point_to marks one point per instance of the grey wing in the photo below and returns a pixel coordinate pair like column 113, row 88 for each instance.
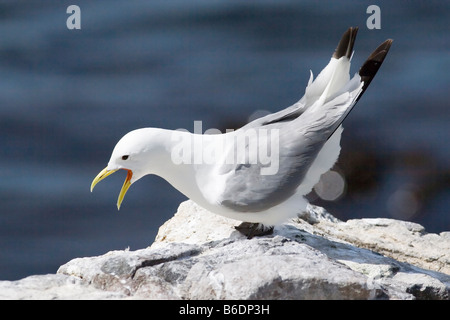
column 299, row 141
column 287, row 114
column 248, row 190
column 303, row 130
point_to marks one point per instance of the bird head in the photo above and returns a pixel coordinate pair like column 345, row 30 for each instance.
column 133, row 153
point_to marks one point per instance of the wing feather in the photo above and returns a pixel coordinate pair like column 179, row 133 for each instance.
column 302, row 129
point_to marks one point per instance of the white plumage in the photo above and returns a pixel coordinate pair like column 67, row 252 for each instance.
column 307, row 145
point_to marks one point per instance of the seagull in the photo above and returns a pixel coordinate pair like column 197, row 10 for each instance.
column 235, row 182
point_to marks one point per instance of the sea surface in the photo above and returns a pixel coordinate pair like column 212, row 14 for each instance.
column 67, row 96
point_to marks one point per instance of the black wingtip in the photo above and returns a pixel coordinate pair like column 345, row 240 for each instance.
column 369, row 69
column 345, row 46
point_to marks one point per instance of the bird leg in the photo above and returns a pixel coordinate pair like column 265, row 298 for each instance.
column 250, row 229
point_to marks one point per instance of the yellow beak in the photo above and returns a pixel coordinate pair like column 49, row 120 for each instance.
column 126, row 185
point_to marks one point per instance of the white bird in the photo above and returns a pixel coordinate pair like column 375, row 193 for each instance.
column 303, row 140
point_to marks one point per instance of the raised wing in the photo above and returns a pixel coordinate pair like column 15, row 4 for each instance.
column 302, row 129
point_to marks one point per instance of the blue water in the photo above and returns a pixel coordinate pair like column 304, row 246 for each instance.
column 67, row 96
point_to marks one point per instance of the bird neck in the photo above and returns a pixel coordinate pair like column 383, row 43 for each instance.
column 176, row 162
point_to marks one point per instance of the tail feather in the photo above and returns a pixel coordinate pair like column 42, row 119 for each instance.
column 335, row 75
column 345, row 46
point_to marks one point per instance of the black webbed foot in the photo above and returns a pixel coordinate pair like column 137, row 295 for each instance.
column 250, row 229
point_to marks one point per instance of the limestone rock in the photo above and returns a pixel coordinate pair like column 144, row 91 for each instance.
column 199, row 255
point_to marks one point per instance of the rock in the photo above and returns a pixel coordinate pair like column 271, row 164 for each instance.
column 53, row 286
column 401, row 240
column 199, row 255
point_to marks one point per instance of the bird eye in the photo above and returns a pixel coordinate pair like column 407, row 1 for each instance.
column 125, row 157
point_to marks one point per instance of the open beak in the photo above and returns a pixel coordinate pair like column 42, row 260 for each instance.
column 126, row 185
